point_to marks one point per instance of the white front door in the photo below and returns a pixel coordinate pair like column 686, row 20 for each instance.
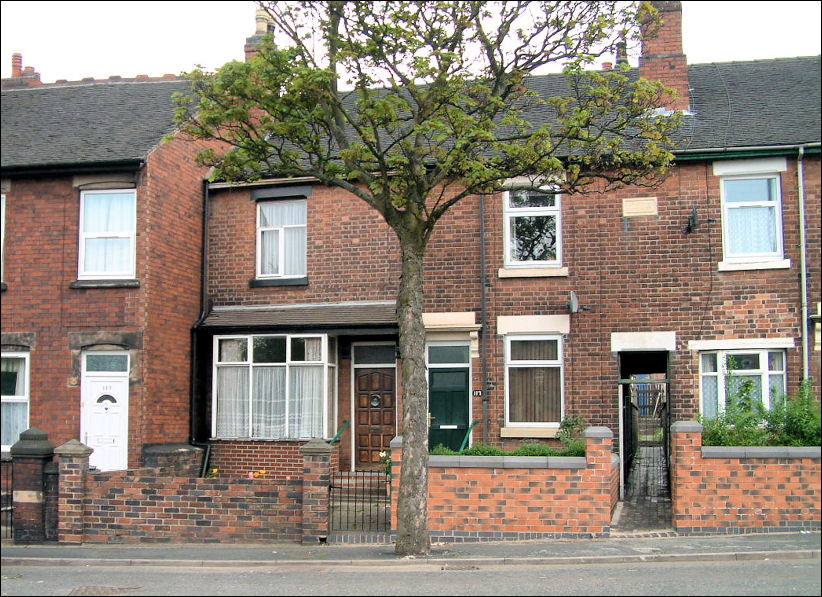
column 104, row 413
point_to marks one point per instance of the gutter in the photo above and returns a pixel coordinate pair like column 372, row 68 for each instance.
column 752, row 151
column 73, row 168
column 803, row 267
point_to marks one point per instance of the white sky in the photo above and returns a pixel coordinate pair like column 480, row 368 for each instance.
column 73, row 40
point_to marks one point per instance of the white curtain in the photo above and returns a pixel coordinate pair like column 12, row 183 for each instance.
column 14, row 414
column 752, row 230
column 305, row 404
column 232, row 402
column 111, row 216
column 270, row 252
column 268, row 402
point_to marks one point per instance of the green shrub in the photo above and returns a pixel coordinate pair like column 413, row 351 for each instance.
column 793, row 421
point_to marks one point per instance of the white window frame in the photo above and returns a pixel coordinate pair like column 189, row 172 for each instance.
column 740, row 259
column 721, row 374
column 555, row 363
column 288, row 365
column 281, row 249
column 26, row 396
column 510, row 213
column 131, row 235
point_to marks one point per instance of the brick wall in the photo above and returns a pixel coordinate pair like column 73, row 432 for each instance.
column 137, row 506
column 742, row 490
column 148, row 505
column 637, row 274
column 482, row 498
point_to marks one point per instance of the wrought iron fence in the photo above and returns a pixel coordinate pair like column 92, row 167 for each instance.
column 361, row 501
column 7, row 513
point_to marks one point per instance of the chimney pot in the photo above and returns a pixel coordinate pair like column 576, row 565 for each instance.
column 16, row 64
column 607, row 65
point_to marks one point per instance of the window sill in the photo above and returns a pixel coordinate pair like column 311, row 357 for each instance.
column 105, row 284
column 542, row 432
column 270, row 282
column 533, row 272
column 735, row 266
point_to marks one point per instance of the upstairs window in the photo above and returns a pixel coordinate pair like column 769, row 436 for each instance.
column 532, row 228
column 752, row 218
column 107, row 234
column 281, row 238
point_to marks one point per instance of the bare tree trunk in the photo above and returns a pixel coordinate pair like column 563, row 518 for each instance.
column 412, row 505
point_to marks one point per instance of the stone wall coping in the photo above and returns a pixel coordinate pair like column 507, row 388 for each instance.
column 508, row 461
column 33, row 442
column 316, row 447
column 396, row 442
column 598, row 432
column 74, row 448
column 686, row 427
column 762, row 452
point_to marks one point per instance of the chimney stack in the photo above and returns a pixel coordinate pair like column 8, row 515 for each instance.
column 263, row 26
column 662, row 58
column 20, row 76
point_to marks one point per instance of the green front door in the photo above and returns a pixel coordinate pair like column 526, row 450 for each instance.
column 447, row 407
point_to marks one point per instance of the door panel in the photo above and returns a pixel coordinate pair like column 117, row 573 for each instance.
column 375, row 414
column 448, row 407
column 105, row 421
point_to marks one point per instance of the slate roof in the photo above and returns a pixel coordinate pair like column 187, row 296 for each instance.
column 375, row 315
column 85, row 123
column 736, row 104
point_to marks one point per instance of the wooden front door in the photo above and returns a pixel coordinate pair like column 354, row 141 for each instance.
column 375, row 414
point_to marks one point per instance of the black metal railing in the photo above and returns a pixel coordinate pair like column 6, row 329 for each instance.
column 360, row 501
column 7, row 512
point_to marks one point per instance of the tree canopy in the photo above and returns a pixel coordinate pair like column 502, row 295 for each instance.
column 412, row 106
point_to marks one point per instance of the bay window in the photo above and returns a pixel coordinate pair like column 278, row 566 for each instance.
column 272, row 387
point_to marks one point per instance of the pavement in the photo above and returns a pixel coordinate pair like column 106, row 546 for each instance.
column 646, row 548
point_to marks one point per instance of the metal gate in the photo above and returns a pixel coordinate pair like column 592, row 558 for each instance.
column 360, row 501
column 6, row 484
column 646, row 424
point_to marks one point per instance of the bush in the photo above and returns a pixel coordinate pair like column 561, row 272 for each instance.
column 570, row 434
column 793, row 421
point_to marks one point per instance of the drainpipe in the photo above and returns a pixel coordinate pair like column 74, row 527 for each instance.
column 483, row 322
column 803, row 273
column 194, row 330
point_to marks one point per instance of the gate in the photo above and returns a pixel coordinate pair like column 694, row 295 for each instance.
column 6, row 484
column 360, row 501
column 647, row 453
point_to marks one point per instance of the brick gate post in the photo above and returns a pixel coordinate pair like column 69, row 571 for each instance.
column 29, row 456
column 71, row 503
column 316, row 486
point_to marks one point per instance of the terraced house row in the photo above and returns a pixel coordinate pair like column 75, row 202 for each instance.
column 145, row 307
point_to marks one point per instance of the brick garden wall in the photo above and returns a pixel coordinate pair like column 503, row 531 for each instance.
column 138, row 506
column 487, row 498
column 742, row 489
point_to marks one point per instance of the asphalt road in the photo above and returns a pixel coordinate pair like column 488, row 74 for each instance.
column 755, row 577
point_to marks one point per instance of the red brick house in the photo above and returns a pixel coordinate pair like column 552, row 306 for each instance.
column 102, row 228
column 718, row 265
